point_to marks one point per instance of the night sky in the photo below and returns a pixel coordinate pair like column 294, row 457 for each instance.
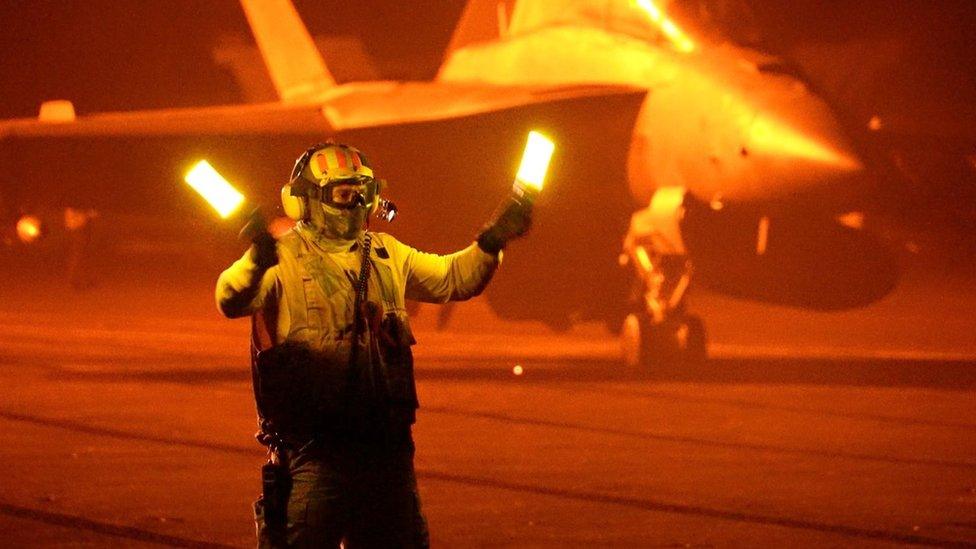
column 907, row 57
column 108, row 55
column 112, row 55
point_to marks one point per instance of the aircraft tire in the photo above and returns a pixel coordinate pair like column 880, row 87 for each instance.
column 631, row 344
column 692, row 339
column 646, row 346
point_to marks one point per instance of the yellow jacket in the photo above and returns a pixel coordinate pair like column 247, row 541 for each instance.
column 307, row 300
column 312, row 286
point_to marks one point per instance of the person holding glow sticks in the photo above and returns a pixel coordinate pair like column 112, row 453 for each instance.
column 331, row 350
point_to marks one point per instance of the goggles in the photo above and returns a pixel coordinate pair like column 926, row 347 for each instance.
column 345, row 193
column 340, row 193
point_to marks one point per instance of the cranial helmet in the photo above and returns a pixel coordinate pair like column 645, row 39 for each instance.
column 325, row 172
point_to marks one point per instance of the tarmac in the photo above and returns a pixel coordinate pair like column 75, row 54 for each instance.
column 128, row 421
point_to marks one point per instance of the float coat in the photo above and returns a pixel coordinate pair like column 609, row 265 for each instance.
column 302, row 326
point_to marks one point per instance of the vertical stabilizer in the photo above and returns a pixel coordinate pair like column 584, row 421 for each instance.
column 481, row 21
column 297, row 69
column 530, row 15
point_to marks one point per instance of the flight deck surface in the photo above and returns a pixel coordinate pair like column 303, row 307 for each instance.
column 128, row 419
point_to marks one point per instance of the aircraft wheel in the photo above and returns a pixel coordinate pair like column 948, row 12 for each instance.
column 630, row 340
column 646, row 345
column 691, row 339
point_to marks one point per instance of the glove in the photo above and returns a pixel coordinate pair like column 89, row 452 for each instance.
column 511, row 220
column 264, row 247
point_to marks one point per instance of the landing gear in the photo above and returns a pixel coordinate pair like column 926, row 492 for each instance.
column 659, row 331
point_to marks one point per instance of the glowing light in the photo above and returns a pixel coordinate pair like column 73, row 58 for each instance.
column 643, row 259
column 214, row 188
column 75, row 219
column 667, row 26
column 58, row 110
column 716, row 203
column 535, row 161
column 762, row 235
column 854, row 220
column 28, row 229
column 517, row 370
column 771, row 136
column 875, row 123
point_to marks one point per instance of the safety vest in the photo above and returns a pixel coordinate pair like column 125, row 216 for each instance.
column 305, row 386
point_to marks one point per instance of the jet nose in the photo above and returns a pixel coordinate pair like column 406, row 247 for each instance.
column 801, row 150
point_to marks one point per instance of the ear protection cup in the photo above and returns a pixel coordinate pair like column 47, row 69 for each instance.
column 295, row 206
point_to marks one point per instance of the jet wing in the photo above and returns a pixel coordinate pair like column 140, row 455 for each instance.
column 449, row 153
column 264, row 118
column 391, row 103
column 347, row 107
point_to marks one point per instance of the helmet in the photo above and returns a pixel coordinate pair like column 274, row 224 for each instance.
column 326, row 171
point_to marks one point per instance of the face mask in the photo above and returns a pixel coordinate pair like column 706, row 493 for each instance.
column 338, row 224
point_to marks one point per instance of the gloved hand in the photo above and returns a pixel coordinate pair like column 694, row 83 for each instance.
column 511, row 220
column 264, row 249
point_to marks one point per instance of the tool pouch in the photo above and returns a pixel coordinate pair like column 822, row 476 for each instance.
column 395, row 342
column 273, row 506
column 285, row 390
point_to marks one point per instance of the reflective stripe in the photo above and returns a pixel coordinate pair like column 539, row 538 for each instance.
column 338, row 162
column 324, row 163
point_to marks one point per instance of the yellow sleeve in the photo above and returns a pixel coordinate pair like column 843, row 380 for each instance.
column 244, row 287
column 440, row 278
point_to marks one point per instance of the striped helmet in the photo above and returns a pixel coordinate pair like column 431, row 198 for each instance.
column 325, row 162
column 322, row 168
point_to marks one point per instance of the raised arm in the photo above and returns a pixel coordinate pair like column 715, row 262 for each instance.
column 440, row 278
column 462, row 275
column 245, row 286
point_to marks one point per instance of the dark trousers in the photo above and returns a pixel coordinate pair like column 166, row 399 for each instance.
column 360, row 493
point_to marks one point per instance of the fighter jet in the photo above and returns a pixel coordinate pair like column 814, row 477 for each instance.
column 679, row 160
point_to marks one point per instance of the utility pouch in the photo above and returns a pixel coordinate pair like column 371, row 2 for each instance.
column 285, row 390
column 275, row 489
column 397, row 356
column 299, row 391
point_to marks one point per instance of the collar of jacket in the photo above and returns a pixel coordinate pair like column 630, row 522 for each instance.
column 320, row 240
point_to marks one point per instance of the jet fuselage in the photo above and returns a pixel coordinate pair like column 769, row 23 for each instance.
column 711, row 122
